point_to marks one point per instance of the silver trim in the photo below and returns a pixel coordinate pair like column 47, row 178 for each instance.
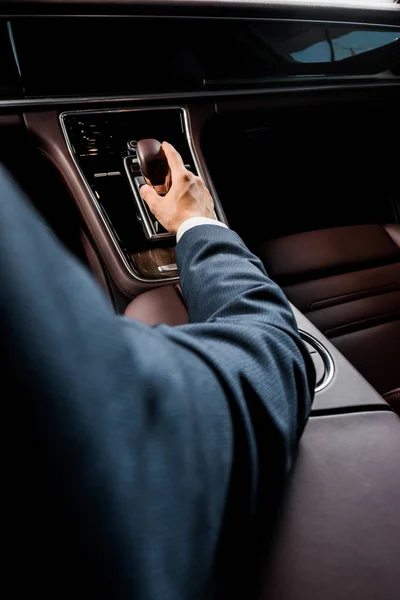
column 304, row 19
column 324, row 354
column 63, row 100
column 187, row 132
column 145, row 217
column 168, row 268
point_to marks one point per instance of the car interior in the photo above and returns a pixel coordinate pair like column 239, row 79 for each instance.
column 290, row 113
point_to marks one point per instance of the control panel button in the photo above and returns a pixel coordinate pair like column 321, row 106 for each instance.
column 131, row 146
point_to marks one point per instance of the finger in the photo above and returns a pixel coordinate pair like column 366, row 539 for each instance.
column 173, row 157
column 149, row 195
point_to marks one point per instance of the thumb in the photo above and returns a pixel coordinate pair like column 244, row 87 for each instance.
column 149, row 195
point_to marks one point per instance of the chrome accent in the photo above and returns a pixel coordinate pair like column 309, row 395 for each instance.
column 324, row 354
column 100, row 175
column 230, row 93
column 150, row 228
column 168, row 268
column 187, row 132
column 377, row 6
column 114, row 173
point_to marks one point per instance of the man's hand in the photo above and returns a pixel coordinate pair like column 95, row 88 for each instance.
column 188, row 197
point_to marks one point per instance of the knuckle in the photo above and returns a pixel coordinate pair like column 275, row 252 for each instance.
column 186, row 177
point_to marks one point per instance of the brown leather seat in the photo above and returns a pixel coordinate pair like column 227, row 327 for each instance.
column 339, row 533
column 161, row 305
column 346, row 280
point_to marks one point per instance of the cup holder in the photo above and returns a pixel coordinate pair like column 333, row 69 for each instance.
column 323, row 362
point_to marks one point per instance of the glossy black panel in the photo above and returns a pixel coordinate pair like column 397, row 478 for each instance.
column 99, row 141
column 105, row 56
column 105, row 134
column 312, row 164
column 127, row 56
column 255, row 51
column 10, row 84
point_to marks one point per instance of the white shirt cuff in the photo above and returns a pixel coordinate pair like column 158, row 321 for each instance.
column 194, row 222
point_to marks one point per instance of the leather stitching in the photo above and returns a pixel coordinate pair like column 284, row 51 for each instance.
column 391, row 395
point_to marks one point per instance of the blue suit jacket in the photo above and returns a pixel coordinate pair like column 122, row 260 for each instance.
column 145, row 460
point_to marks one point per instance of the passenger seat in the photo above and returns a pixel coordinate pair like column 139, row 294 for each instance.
column 346, row 280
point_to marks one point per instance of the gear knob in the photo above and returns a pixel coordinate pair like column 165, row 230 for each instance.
column 154, row 165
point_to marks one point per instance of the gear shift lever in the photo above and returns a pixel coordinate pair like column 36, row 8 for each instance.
column 154, row 165
column 155, row 171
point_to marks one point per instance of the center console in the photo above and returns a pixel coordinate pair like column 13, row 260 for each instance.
column 103, row 146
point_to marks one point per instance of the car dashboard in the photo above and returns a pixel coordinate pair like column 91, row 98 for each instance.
column 289, row 112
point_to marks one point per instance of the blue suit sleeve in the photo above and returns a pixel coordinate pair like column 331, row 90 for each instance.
column 243, row 327
column 135, row 434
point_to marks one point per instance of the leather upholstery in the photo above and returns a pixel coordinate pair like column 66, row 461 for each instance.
column 339, row 537
column 94, row 264
column 394, row 232
column 329, row 251
column 346, row 280
column 393, row 398
column 375, row 352
column 161, row 305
